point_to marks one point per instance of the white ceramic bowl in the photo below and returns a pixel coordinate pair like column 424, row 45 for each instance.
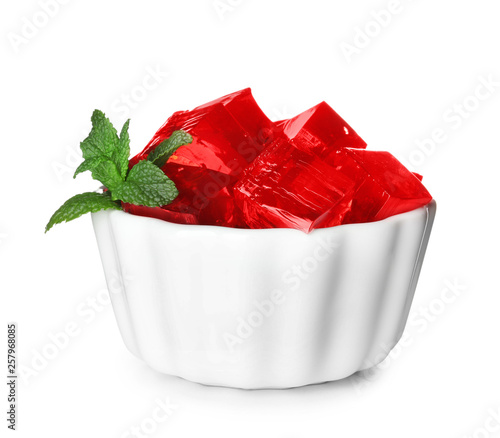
column 272, row 308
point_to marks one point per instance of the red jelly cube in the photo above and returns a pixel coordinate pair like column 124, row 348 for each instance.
column 242, row 106
column 180, row 211
column 384, row 187
column 228, row 133
column 232, row 125
column 321, row 130
column 286, row 187
column 214, row 132
column 223, row 211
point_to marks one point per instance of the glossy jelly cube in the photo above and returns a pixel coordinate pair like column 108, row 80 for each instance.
column 228, row 133
column 384, row 187
column 223, row 211
column 321, row 130
column 243, row 107
column 286, row 187
column 233, row 125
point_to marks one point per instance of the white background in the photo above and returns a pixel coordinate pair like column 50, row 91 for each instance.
column 405, row 83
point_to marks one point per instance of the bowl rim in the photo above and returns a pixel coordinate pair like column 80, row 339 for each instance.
column 430, row 208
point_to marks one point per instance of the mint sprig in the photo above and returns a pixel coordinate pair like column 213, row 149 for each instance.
column 106, row 157
column 78, row 205
column 146, row 184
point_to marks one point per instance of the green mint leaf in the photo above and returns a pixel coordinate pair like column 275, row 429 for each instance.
column 105, row 154
column 78, row 205
column 89, row 164
column 102, row 140
column 103, row 170
column 122, row 151
column 147, row 185
column 106, row 172
column 167, row 147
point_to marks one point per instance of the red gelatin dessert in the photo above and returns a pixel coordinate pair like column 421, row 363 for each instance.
column 321, row 130
column 228, row 134
column 244, row 171
column 230, row 129
column 223, row 211
column 286, row 187
column 384, row 186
